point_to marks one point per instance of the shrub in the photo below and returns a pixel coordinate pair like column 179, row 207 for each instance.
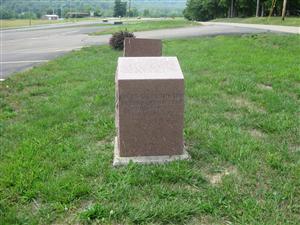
column 117, row 39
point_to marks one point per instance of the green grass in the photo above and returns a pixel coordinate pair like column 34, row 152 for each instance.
column 148, row 25
column 14, row 23
column 241, row 129
column 289, row 21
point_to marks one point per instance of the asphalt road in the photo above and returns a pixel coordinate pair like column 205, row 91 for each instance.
column 23, row 48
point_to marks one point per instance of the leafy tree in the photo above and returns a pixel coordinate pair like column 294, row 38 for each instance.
column 204, row 9
column 120, row 8
column 210, row 9
column 28, row 15
column 6, row 14
column 146, row 13
column 245, row 8
column 196, row 9
column 133, row 12
column 98, row 13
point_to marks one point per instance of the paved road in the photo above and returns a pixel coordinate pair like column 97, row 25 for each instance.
column 276, row 28
column 22, row 48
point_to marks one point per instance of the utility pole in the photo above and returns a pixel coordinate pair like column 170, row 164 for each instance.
column 283, row 9
column 129, row 8
column 30, row 15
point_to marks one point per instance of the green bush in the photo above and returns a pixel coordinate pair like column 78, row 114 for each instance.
column 117, row 39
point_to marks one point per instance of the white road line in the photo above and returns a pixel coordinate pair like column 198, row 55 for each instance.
column 16, row 62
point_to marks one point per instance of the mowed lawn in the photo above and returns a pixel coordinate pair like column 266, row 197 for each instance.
column 241, row 130
column 289, row 21
column 149, row 25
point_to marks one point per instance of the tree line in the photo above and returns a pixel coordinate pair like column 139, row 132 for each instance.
column 25, row 9
column 124, row 8
column 212, row 9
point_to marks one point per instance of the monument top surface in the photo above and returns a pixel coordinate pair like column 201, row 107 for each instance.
column 148, row 68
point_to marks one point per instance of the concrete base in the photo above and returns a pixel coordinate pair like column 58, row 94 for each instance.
column 121, row 161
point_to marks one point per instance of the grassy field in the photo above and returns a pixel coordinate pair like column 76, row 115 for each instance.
column 131, row 23
column 24, row 22
column 149, row 25
column 13, row 23
column 289, row 21
column 241, row 129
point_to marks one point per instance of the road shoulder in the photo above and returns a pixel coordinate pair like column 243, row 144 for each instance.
column 277, row 28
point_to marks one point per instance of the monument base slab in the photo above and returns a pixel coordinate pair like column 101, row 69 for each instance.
column 122, row 161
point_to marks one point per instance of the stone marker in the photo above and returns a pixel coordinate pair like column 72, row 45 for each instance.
column 134, row 47
column 149, row 110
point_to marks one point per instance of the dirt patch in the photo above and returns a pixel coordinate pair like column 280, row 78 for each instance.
column 232, row 115
column 36, row 205
column 106, row 141
column 195, row 101
column 265, row 86
column 257, row 133
column 72, row 214
column 297, row 85
column 216, row 178
column 245, row 103
column 294, row 148
column 36, row 84
column 103, row 142
column 188, row 187
column 205, row 220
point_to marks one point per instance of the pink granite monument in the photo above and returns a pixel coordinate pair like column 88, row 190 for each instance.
column 140, row 47
column 149, row 110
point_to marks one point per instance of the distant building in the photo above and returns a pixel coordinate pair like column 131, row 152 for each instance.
column 50, row 17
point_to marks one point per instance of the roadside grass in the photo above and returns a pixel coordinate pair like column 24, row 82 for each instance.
column 289, row 21
column 241, row 129
column 14, row 23
column 148, row 25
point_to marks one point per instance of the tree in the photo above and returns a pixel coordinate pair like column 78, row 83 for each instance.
column 133, row 12
column 232, row 8
column 283, row 9
column 210, row 9
column 120, row 8
column 146, row 13
column 6, row 14
column 204, row 9
column 98, row 12
column 257, row 8
column 195, row 10
column 272, row 7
